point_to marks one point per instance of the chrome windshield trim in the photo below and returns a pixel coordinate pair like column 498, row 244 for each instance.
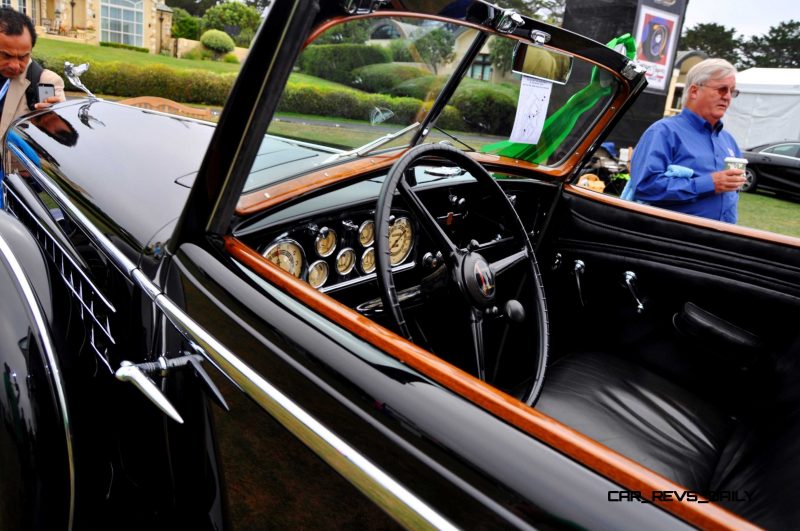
column 43, row 333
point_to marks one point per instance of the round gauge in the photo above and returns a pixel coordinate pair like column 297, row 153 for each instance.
column 345, row 261
column 366, row 233
column 286, row 254
column 317, row 273
column 325, row 242
column 368, row 260
column 400, row 238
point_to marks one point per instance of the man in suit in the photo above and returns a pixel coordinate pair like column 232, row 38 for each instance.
column 17, row 39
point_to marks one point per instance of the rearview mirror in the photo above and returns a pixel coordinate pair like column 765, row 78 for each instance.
column 544, row 64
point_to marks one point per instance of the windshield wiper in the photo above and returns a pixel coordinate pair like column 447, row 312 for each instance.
column 369, row 146
column 454, row 138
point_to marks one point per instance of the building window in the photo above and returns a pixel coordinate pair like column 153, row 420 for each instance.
column 481, row 68
column 6, row 3
column 121, row 21
column 22, row 7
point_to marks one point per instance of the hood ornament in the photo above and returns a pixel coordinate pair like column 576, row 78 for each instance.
column 74, row 73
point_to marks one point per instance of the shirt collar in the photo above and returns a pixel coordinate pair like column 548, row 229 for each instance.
column 699, row 122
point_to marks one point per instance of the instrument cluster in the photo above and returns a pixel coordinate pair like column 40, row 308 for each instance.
column 339, row 251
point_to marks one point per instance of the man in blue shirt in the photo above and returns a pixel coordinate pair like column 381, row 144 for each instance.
column 679, row 161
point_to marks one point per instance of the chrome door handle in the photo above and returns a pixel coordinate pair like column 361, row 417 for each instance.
column 630, row 281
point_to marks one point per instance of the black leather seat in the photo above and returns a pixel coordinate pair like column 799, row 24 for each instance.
column 669, row 430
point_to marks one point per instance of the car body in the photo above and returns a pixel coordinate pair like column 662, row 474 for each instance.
column 774, row 167
column 412, row 318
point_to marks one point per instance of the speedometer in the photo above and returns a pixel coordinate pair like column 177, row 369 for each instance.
column 401, row 236
column 286, row 254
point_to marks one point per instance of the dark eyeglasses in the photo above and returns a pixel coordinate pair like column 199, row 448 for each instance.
column 722, row 90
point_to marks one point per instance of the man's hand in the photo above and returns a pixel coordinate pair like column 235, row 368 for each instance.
column 47, row 103
column 727, row 180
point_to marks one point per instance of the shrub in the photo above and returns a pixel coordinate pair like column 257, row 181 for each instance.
column 336, row 62
column 200, row 53
column 125, row 46
column 217, row 40
column 422, row 88
column 384, row 76
column 230, row 58
column 400, row 51
column 486, row 109
column 128, row 80
column 245, row 37
column 184, row 25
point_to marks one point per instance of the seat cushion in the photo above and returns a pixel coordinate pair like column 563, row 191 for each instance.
column 639, row 414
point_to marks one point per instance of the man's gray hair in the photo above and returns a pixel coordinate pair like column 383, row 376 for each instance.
column 704, row 71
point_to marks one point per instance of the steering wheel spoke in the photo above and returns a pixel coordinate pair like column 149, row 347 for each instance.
column 504, row 264
column 476, row 327
column 427, row 220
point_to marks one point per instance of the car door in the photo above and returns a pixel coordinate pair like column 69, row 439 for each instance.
column 327, row 426
column 628, row 278
column 779, row 167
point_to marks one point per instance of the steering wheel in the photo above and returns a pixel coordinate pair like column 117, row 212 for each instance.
column 470, row 273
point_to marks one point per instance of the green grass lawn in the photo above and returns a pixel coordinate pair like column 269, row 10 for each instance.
column 768, row 212
column 102, row 54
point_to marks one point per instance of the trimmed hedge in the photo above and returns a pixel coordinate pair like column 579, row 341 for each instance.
column 336, row 62
column 124, row 46
column 307, row 99
column 487, row 110
column 422, row 88
column 128, row 80
column 217, row 40
column 383, row 77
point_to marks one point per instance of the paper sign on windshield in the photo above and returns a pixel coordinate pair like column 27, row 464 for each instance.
column 534, row 97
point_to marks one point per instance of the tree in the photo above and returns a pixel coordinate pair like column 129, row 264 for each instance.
column 550, row 11
column 353, row 32
column 184, row 25
column 235, row 19
column 193, row 7
column 436, row 48
column 779, row 48
column 501, row 53
column 715, row 40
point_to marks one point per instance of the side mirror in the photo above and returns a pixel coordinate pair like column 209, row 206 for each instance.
column 541, row 63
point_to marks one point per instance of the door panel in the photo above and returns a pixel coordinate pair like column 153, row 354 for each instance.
column 740, row 279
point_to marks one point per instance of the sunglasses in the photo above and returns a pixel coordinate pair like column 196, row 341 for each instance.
column 722, row 90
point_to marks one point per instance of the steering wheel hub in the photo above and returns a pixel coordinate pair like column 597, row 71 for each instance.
column 478, row 279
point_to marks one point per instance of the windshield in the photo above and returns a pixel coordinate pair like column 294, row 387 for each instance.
column 366, row 86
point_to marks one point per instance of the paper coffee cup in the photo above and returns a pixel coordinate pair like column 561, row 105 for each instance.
column 733, row 163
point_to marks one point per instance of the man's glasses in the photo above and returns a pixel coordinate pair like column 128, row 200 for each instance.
column 722, row 90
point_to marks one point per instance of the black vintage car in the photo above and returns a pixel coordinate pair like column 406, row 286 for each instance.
column 366, row 299
column 774, row 167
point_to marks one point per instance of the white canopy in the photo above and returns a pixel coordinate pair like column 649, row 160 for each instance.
column 768, row 108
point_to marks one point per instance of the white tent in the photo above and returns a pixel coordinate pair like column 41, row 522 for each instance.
column 768, row 108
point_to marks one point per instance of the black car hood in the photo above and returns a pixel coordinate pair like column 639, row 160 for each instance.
column 121, row 165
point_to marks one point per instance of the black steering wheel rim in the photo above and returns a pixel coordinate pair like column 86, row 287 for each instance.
column 385, row 278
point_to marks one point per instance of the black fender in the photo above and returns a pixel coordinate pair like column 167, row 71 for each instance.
column 37, row 483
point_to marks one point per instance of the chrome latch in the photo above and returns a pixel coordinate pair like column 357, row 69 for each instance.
column 137, row 374
column 630, row 281
column 509, row 21
column 632, row 69
column 578, row 269
column 539, row 37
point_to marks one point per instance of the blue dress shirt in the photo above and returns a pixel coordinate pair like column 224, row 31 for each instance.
column 689, row 141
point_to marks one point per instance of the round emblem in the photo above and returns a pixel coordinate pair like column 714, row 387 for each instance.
column 485, row 278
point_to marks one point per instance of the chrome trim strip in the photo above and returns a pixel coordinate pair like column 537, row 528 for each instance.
column 42, row 331
column 373, row 482
column 364, row 278
column 392, row 497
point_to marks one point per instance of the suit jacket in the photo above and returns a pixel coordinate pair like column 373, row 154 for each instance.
column 15, row 105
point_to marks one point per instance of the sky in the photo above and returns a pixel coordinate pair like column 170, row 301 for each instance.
column 748, row 17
